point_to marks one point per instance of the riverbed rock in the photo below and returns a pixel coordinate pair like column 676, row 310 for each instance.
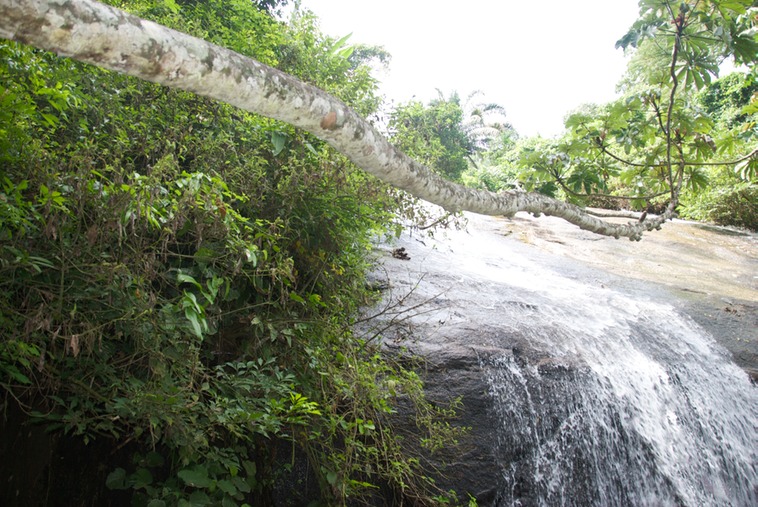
column 708, row 274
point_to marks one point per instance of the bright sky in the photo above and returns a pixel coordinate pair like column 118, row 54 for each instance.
column 539, row 60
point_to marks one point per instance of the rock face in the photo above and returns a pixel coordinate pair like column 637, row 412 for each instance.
column 556, row 395
column 474, row 467
column 710, row 273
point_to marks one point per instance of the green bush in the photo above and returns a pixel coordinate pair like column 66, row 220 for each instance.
column 179, row 276
column 730, row 205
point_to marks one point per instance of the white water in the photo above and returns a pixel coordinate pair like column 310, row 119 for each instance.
column 651, row 411
column 636, row 405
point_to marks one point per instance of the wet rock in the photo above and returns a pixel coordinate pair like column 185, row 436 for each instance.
column 467, row 323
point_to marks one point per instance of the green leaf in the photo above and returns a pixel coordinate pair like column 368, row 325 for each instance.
column 251, row 469
column 141, row 478
column 205, row 255
column 279, row 140
column 251, row 257
column 227, row 487
column 116, row 479
column 747, row 169
column 16, row 374
column 185, row 278
column 196, row 477
column 346, row 53
column 311, row 148
column 172, row 6
column 738, row 6
column 745, row 49
column 50, row 119
column 241, row 484
column 213, row 285
column 337, row 46
column 199, row 498
column 195, row 323
column 751, row 108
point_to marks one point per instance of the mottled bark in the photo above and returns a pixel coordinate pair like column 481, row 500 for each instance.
column 110, row 38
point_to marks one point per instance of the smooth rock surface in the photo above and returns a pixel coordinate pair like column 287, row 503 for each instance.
column 463, row 300
column 709, row 272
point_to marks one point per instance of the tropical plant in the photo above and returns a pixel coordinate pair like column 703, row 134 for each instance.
column 177, row 279
column 484, row 123
column 658, row 140
column 434, row 135
column 447, row 135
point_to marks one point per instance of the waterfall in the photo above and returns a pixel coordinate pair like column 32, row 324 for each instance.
column 637, row 406
column 605, row 394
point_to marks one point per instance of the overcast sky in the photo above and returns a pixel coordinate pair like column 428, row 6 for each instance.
column 537, row 59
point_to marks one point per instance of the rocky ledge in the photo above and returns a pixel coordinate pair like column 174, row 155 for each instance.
column 455, row 318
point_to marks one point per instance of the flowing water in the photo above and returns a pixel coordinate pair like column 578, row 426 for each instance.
column 621, row 401
column 647, row 411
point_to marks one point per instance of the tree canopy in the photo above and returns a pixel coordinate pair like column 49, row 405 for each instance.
column 677, row 140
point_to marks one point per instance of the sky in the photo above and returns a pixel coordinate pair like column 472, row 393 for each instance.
column 539, row 60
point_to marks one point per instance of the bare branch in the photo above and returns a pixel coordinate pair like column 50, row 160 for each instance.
column 605, row 150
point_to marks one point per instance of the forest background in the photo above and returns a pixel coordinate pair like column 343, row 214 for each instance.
column 179, row 278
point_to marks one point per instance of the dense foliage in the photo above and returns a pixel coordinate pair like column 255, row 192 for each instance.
column 731, row 194
column 676, row 136
column 432, row 134
column 446, row 134
column 177, row 277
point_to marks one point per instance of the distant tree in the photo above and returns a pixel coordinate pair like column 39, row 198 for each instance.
column 447, row 134
column 434, row 135
column 273, row 7
column 731, row 194
column 727, row 100
column 485, row 122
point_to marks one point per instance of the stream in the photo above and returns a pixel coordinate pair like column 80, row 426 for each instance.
column 603, row 391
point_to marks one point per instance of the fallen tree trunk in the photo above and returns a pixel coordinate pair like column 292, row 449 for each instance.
column 113, row 39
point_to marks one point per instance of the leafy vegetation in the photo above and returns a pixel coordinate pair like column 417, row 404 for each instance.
column 731, row 194
column 446, row 134
column 677, row 137
column 433, row 135
column 177, row 277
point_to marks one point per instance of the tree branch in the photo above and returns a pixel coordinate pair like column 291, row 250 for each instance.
column 605, row 150
column 679, row 23
column 615, row 157
column 610, row 196
column 658, row 114
column 726, row 162
column 107, row 37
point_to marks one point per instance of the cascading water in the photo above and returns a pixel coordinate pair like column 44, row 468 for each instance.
column 620, row 399
column 637, row 407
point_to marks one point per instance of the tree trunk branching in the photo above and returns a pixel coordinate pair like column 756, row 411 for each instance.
column 107, row 37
